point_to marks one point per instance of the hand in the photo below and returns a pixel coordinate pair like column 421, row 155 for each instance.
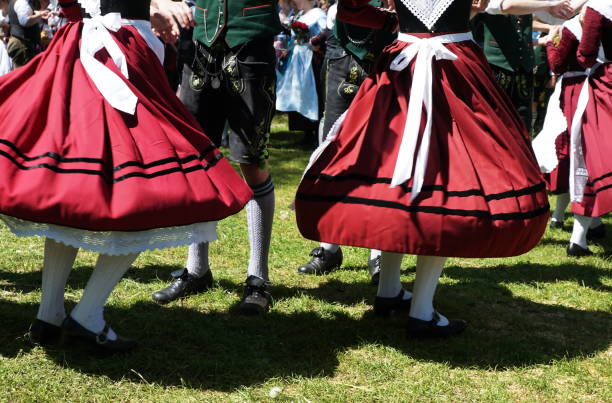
column 561, row 9
column 167, row 17
column 478, row 6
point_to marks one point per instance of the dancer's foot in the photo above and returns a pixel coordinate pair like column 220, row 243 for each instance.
column 374, row 266
column 554, row 224
column 45, row 334
column 400, row 303
column 256, row 298
column 184, row 284
column 322, row 261
column 576, row 250
column 106, row 341
column 438, row 326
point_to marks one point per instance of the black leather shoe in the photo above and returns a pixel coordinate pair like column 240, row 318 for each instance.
column 183, row 285
column 576, row 250
column 423, row 329
column 554, row 224
column 45, row 334
column 75, row 332
column 374, row 266
column 598, row 232
column 384, row 306
column 322, row 261
column 256, row 298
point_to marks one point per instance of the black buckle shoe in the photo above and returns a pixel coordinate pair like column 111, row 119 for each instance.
column 424, row 329
column 256, row 298
column 45, row 334
column 75, row 332
column 383, row 306
column 576, row 250
column 598, row 232
column 322, row 261
column 374, row 266
column 184, row 284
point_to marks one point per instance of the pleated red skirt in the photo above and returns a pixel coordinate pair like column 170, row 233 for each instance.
column 483, row 194
column 597, row 145
column 68, row 158
column 557, row 181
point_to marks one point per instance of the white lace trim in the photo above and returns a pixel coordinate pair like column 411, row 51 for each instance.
column 92, row 7
column 116, row 242
column 427, row 11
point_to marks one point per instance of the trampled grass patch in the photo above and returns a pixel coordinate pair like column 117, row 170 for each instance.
column 540, row 325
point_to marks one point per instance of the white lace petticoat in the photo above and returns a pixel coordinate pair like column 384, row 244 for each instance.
column 116, row 242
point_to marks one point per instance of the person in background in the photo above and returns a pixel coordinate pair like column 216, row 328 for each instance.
column 298, row 86
column 508, row 46
column 6, row 64
column 25, row 17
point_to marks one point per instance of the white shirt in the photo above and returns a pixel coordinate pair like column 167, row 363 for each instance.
column 331, row 16
column 494, row 7
column 23, row 11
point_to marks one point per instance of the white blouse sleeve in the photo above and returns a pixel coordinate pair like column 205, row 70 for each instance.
column 23, row 11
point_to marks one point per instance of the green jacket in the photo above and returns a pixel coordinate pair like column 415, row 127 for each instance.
column 363, row 43
column 236, row 21
column 508, row 42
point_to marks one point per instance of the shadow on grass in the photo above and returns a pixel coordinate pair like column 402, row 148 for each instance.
column 222, row 351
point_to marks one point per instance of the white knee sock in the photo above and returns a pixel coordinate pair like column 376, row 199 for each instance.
column 562, row 201
column 389, row 283
column 260, row 214
column 330, row 247
column 596, row 222
column 58, row 262
column 581, row 226
column 374, row 254
column 197, row 259
column 89, row 312
column 428, row 271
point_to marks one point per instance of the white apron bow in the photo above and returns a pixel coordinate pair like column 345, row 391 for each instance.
column 425, row 49
column 578, row 171
column 95, row 36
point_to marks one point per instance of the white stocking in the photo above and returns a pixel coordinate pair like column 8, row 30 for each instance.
column 428, row 271
column 389, row 284
column 562, row 201
column 579, row 232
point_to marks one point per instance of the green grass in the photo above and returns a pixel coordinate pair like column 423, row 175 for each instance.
column 540, row 325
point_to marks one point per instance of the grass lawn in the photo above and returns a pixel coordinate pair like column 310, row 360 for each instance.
column 540, row 325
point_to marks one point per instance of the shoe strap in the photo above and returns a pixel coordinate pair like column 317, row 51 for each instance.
column 102, row 337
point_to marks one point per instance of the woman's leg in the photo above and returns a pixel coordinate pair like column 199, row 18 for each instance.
column 109, row 270
column 391, row 295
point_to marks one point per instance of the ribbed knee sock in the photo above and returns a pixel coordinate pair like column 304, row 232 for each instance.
column 260, row 214
column 89, row 312
column 197, row 259
column 428, row 271
column 57, row 265
column 562, row 202
column 389, row 283
column 581, row 227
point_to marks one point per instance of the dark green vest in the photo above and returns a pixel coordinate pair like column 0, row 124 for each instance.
column 363, row 43
column 238, row 21
column 507, row 41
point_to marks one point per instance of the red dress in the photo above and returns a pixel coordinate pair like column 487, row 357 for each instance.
column 597, row 119
column 562, row 60
column 483, row 194
column 68, row 158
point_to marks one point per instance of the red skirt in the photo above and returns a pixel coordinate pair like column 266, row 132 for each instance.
column 557, row 181
column 68, row 158
column 597, row 145
column 483, row 194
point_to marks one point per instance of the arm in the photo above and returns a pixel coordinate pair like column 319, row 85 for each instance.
column 592, row 29
column 558, row 54
column 71, row 10
column 359, row 12
column 557, row 8
column 540, row 26
column 27, row 16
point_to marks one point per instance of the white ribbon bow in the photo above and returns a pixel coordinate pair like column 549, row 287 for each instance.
column 95, row 36
column 425, row 49
column 578, row 171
